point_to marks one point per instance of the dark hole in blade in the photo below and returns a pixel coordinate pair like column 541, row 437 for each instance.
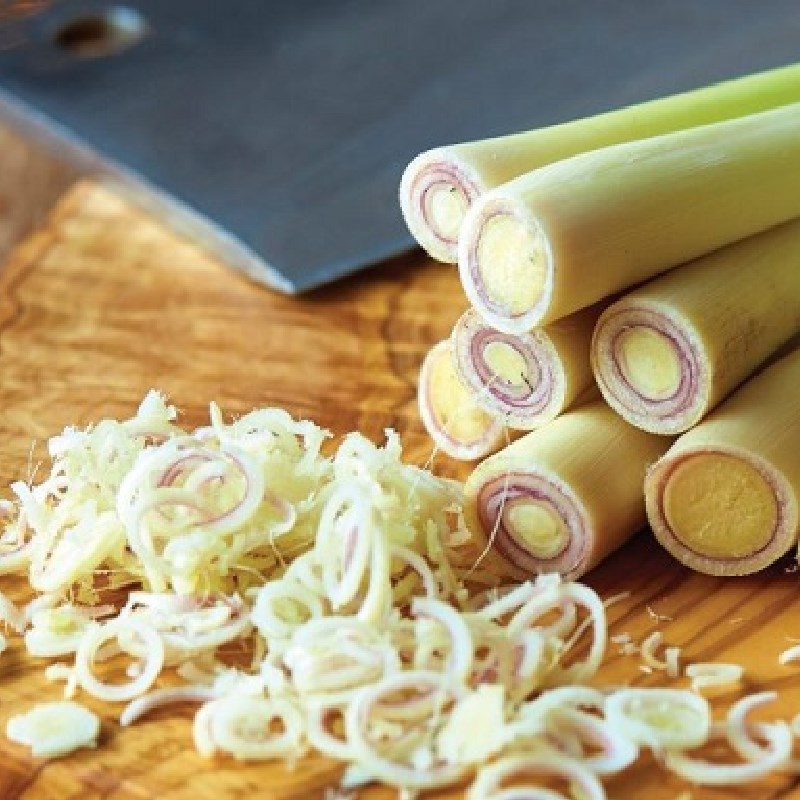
column 104, row 33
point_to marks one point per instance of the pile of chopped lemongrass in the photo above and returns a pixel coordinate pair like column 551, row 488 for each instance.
column 333, row 603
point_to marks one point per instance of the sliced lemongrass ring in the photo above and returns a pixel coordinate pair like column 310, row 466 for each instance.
column 436, row 191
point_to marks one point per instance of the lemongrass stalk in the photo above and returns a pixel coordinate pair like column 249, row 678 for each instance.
column 457, row 425
column 668, row 352
column 724, row 499
column 439, row 185
column 528, row 379
column 561, row 238
column 562, row 498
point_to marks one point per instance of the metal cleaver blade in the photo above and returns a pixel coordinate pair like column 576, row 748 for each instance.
column 276, row 130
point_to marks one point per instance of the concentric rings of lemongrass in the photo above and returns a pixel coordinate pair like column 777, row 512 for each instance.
column 334, row 673
column 518, row 378
column 373, row 702
column 451, row 413
column 436, row 190
column 774, row 756
column 511, row 598
column 191, row 630
column 661, row 719
column 504, row 504
column 95, row 637
column 767, row 550
column 512, row 293
column 351, row 680
column 649, row 367
column 532, row 718
column 490, row 780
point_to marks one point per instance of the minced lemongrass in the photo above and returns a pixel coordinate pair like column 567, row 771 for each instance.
column 344, row 578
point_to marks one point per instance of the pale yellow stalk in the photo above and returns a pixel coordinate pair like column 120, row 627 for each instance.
column 439, row 185
column 668, row 352
column 565, row 236
column 562, row 498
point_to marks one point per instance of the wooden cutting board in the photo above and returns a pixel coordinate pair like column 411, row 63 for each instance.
column 102, row 303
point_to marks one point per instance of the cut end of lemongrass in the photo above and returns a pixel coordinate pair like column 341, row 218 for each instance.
column 457, row 425
column 534, row 522
column 518, row 377
column 719, row 510
column 648, row 367
column 505, row 264
column 436, row 191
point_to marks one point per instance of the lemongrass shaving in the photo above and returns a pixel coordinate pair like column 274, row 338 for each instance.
column 713, row 674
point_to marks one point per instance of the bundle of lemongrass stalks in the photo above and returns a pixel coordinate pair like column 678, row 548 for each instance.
column 691, row 199
column 334, row 604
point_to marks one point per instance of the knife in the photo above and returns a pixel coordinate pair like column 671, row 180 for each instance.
column 276, row 132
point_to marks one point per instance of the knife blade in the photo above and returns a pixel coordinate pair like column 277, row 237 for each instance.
column 276, row 132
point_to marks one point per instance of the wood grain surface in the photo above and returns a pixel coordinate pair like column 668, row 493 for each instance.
column 103, row 303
